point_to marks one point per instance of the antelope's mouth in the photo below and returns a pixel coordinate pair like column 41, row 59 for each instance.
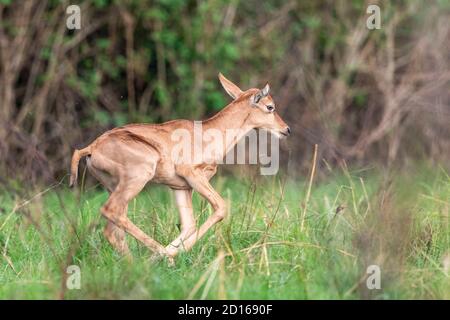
column 279, row 134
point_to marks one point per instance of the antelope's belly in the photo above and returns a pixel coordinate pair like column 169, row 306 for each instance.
column 166, row 174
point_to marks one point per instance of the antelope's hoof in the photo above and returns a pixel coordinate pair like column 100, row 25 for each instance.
column 171, row 250
column 154, row 258
column 171, row 261
column 157, row 257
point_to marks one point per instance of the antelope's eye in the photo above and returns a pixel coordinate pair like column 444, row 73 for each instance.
column 270, row 108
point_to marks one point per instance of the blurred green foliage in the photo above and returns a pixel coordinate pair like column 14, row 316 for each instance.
column 178, row 47
column 158, row 60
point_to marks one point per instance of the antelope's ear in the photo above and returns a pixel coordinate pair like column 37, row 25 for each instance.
column 232, row 89
column 264, row 92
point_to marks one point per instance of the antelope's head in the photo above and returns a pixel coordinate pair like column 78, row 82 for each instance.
column 260, row 107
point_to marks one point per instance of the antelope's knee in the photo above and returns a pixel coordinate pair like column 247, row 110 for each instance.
column 112, row 213
column 104, row 210
column 108, row 232
column 107, row 211
column 221, row 211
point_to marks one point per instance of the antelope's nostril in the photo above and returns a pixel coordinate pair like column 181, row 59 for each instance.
column 288, row 130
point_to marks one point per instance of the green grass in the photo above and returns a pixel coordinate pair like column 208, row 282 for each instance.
column 399, row 222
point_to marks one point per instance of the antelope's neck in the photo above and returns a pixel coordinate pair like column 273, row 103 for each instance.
column 232, row 124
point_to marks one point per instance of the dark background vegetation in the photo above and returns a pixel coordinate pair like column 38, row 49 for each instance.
column 366, row 97
column 376, row 102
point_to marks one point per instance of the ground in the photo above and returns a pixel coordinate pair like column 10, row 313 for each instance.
column 275, row 243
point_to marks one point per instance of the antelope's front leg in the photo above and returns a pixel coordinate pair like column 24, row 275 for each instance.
column 201, row 184
column 183, row 199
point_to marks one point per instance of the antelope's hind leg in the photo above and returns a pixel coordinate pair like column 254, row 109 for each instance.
column 133, row 162
column 115, row 208
column 114, row 235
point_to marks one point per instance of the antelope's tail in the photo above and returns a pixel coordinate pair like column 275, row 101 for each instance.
column 77, row 155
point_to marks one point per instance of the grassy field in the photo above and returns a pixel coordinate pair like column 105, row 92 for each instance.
column 275, row 243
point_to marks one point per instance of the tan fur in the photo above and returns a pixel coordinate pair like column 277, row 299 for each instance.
column 126, row 158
